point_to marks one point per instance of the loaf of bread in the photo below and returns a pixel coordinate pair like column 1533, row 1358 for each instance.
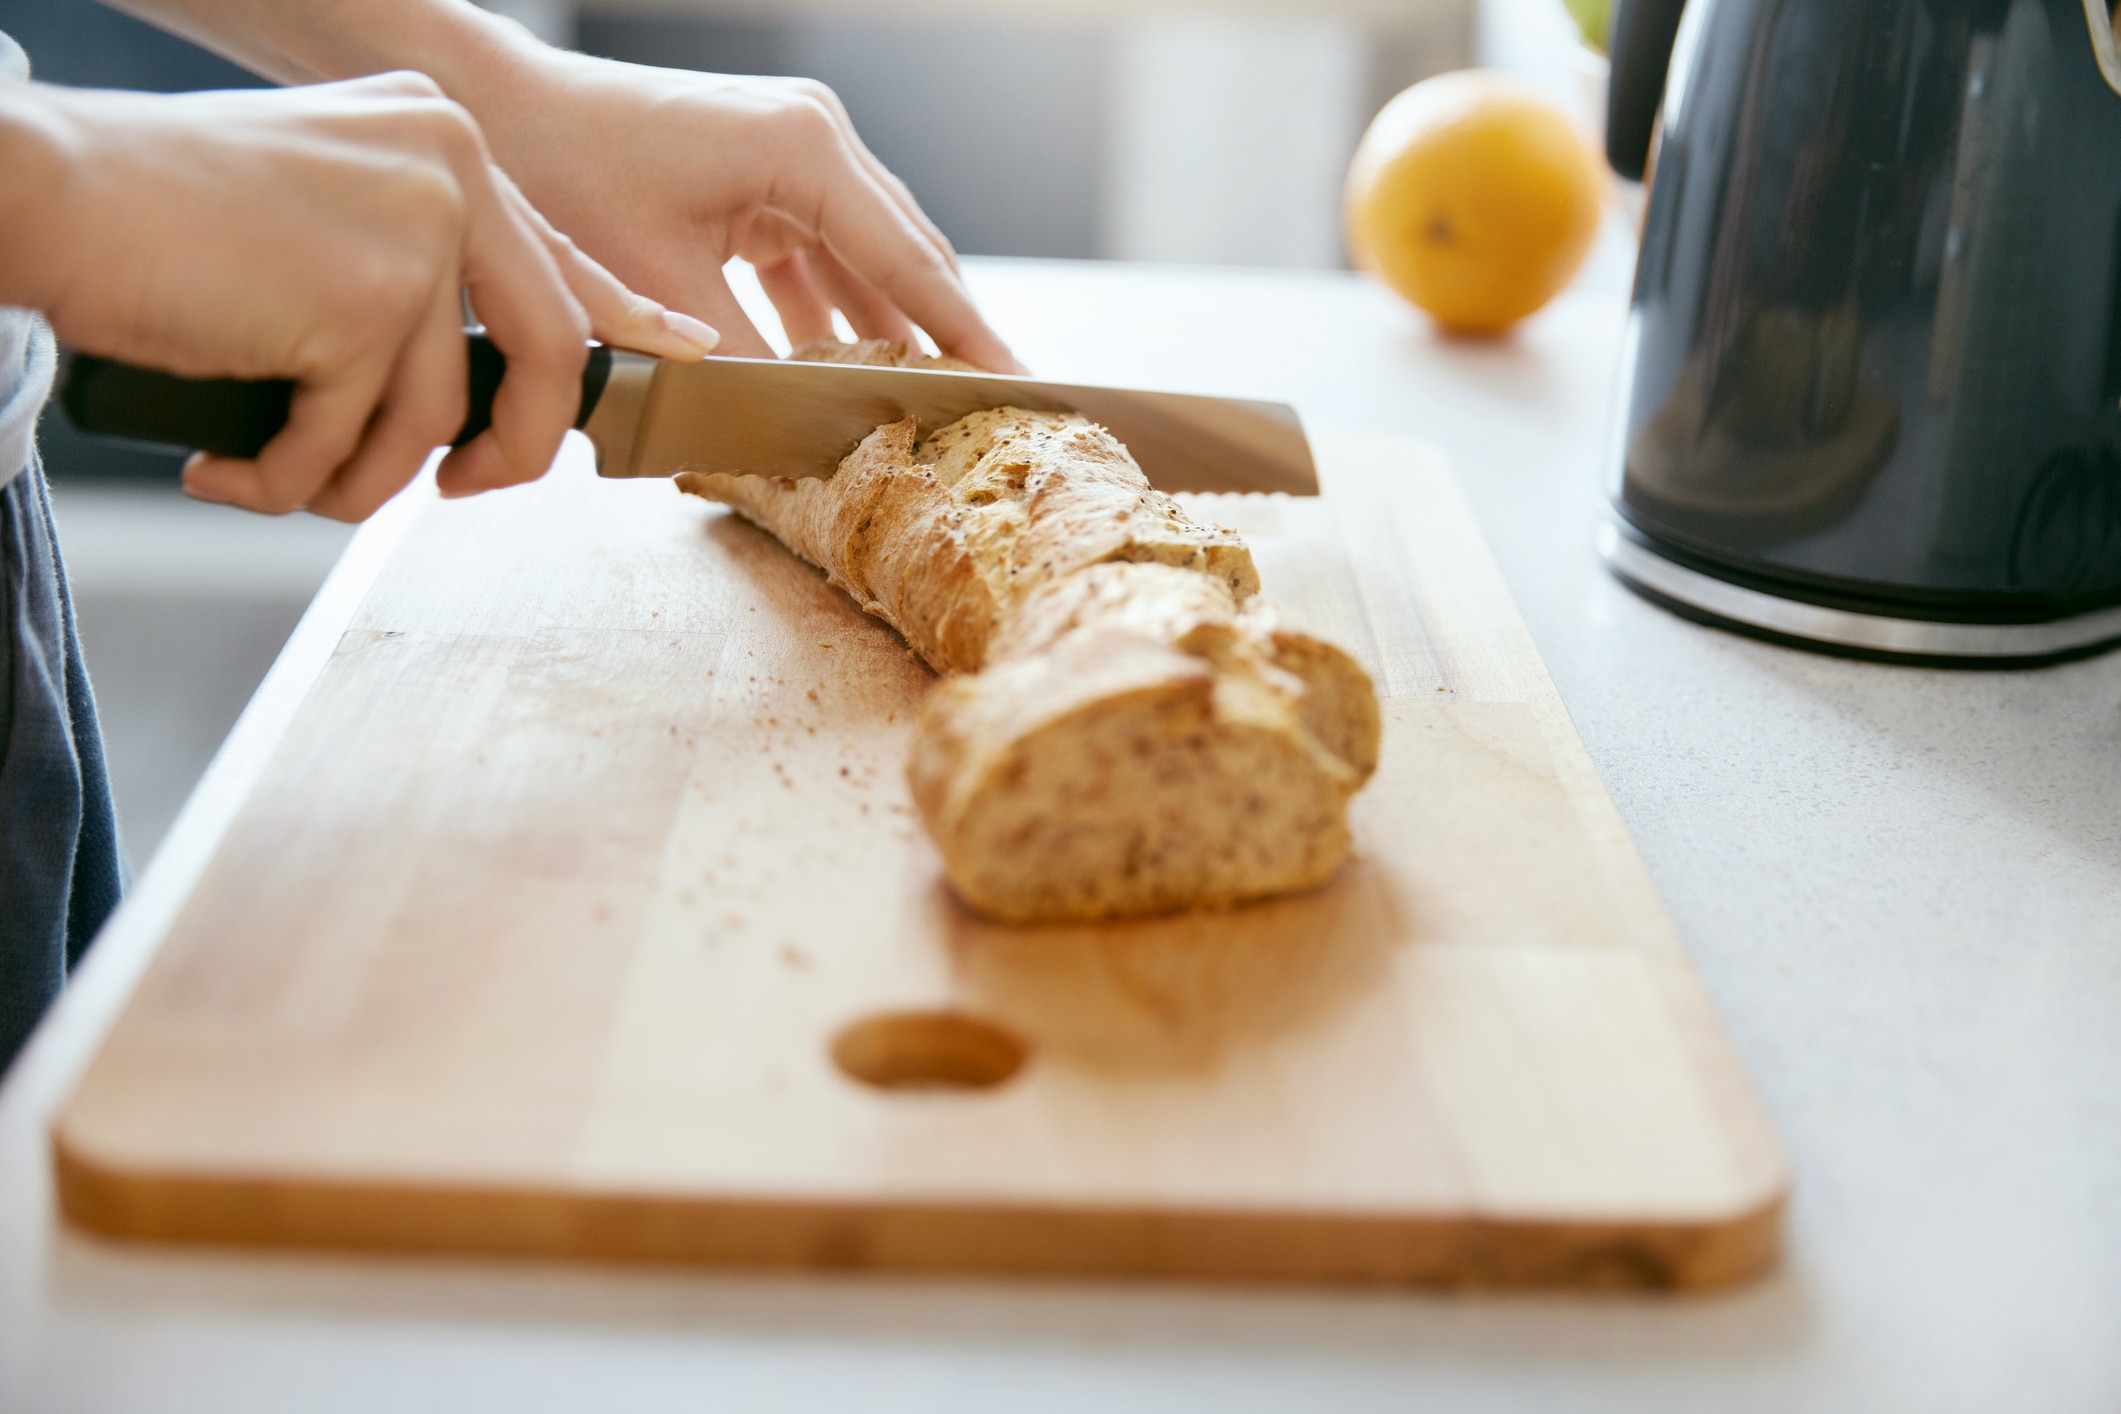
column 884, row 353
column 1125, row 728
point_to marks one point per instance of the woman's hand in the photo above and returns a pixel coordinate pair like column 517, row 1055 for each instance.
column 664, row 175
column 325, row 234
column 661, row 174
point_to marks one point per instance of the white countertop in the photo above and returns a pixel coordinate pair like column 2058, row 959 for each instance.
column 1902, row 886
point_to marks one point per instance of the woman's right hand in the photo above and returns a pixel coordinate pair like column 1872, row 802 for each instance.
column 322, row 234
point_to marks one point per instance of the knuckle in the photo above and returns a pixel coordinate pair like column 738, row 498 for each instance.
column 810, row 122
column 398, row 83
column 429, row 205
column 413, row 83
column 558, row 363
column 379, row 298
column 454, row 131
column 337, row 342
column 559, row 346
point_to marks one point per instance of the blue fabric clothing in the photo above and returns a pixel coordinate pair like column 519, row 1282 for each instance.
column 61, row 871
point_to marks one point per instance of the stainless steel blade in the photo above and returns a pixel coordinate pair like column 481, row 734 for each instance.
column 769, row 417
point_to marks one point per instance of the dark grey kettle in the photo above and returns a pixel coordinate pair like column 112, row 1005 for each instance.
column 1872, row 377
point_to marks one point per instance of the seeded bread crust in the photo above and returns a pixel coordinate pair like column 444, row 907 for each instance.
column 882, row 529
column 1124, row 728
column 943, row 540
column 885, row 353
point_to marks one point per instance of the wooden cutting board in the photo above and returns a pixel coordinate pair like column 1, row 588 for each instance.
column 583, row 910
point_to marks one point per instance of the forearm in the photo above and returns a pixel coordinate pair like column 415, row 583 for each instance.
column 35, row 179
column 458, row 45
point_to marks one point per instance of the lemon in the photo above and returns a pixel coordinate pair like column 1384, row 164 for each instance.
column 1475, row 198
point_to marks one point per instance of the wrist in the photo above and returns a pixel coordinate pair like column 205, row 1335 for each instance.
column 470, row 52
column 453, row 42
column 478, row 57
column 490, row 64
column 501, row 73
column 36, row 177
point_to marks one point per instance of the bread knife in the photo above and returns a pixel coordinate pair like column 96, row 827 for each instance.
column 769, row 417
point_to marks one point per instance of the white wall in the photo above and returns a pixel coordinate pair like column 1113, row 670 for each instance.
column 1229, row 136
column 1538, row 42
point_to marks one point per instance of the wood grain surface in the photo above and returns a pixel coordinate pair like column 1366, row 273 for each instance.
column 583, row 911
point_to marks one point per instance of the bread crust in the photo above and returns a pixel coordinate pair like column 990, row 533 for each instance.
column 1125, row 728
column 877, row 353
column 945, row 539
column 883, row 530
column 1141, row 742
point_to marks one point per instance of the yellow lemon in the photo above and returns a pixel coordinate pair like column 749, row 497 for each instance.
column 1475, row 198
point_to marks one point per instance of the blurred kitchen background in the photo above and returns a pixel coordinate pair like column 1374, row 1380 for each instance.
column 1135, row 130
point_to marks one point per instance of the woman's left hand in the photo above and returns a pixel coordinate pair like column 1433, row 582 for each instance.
column 663, row 175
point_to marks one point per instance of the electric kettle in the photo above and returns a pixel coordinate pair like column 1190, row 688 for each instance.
column 1871, row 385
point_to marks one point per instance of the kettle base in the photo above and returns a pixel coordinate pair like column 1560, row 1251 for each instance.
column 1719, row 603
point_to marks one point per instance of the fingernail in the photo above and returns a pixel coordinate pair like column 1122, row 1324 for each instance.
column 694, row 332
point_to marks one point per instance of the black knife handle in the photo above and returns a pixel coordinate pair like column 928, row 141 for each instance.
column 236, row 417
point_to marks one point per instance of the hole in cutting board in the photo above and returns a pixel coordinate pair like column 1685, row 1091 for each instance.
column 927, row 1050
